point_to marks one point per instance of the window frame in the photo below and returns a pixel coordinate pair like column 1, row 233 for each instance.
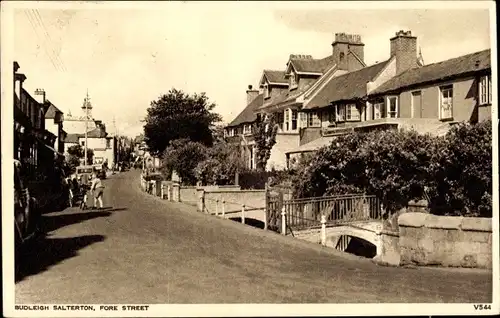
column 340, row 113
column 247, row 129
column 294, row 119
column 485, row 90
column 442, row 89
column 293, row 81
column 388, row 106
column 348, row 112
column 313, row 120
column 267, row 92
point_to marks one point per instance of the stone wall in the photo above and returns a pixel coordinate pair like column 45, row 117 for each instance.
column 426, row 239
column 189, row 194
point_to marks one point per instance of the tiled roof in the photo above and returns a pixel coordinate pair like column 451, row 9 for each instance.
column 72, row 138
column 248, row 114
column 438, row 71
column 96, row 133
column 348, row 86
column 275, row 76
column 52, row 111
column 312, row 65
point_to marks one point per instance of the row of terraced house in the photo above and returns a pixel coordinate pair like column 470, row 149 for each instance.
column 315, row 100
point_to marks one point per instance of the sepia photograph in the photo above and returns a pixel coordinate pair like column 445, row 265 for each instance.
column 243, row 158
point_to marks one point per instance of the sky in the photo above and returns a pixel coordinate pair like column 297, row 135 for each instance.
column 127, row 56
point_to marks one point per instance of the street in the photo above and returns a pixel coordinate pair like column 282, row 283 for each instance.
column 140, row 249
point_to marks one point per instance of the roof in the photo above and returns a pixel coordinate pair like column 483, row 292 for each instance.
column 72, row 138
column 248, row 114
column 347, row 86
column 313, row 145
column 96, row 133
column 312, row 65
column 52, row 111
column 275, row 76
column 438, row 71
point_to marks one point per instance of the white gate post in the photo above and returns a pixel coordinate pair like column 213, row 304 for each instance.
column 217, row 207
column 283, row 221
column 223, row 208
column 323, row 230
column 243, row 214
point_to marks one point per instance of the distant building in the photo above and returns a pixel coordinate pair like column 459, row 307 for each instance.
column 54, row 119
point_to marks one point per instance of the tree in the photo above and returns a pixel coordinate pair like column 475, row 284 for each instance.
column 223, row 161
column 177, row 115
column 76, row 153
column 265, row 139
column 182, row 156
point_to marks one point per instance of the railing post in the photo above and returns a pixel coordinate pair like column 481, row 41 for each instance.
column 217, row 207
column 243, row 213
column 223, row 208
column 323, row 230
column 162, row 187
column 283, row 220
column 201, row 200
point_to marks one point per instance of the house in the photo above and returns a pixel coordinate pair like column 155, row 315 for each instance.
column 302, row 100
column 33, row 144
column 54, row 123
column 404, row 94
column 240, row 131
column 102, row 145
column 455, row 90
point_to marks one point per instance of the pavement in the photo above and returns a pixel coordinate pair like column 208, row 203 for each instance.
column 141, row 249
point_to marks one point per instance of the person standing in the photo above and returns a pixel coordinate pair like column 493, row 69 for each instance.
column 98, row 189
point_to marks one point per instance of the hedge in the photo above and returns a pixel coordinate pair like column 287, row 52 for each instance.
column 453, row 172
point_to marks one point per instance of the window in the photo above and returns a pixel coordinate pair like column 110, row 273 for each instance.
column 446, row 103
column 293, row 79
column 294, row 119
column 247, row 129
column 392, row 107
column 340, row 112
column 82, row 143
column 266, row 91
column 231, row 132
column 287, row 120
column 313, row 120
column 352, row 113
column 379, row 109
column 303, row 119
column 108, row 143
column 485, row 90
column 330, row 115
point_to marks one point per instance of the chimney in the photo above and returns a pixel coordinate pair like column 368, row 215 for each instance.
column 342, row 46
column 251, row 94
column 40, row 96
column 404, row 48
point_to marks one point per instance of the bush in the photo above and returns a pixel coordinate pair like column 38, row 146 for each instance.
column 462, row 170
column 258, row 179
column 452, row 172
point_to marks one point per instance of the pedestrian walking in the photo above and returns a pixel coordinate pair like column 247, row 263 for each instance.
column 98, row 189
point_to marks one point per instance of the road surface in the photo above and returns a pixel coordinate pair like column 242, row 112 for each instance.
column 141, row 249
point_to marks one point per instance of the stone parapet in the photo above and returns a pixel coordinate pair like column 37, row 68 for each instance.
column 427, row 239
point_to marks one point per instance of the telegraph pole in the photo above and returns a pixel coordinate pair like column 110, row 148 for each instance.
column 118, row 141
column 86, row 104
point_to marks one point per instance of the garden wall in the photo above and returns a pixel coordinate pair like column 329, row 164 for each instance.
column 426, row 239
column 189, row 194
column 252, row 199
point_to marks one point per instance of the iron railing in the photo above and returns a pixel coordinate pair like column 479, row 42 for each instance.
column 343, row 209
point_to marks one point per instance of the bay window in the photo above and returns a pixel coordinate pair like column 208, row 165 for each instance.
column 446, row 102
column 294, row 119
column 485, row 90
column 303, row 119
column 392, row 107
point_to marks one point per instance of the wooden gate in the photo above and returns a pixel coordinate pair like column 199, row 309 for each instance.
column 275, row 196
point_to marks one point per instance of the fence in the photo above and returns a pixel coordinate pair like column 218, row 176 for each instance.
column 337, row 210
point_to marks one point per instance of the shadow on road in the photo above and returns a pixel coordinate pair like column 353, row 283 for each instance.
column 45, row 252
column 54, row 222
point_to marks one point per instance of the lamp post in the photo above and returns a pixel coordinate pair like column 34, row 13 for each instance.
column 86, row 103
